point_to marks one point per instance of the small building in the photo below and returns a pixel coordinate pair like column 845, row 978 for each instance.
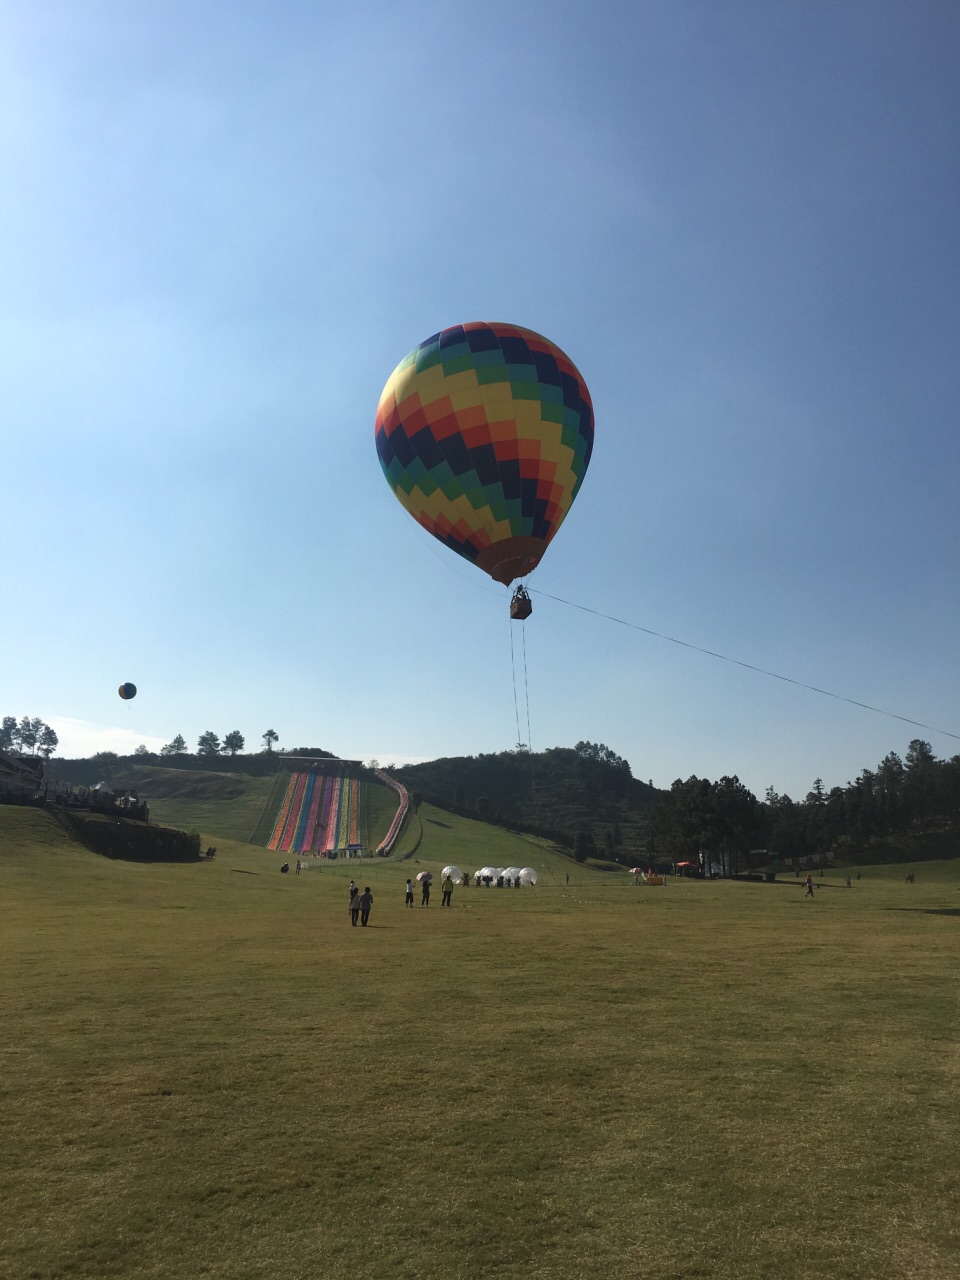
column 20, row 779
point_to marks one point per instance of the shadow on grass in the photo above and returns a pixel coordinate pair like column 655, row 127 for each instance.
column 782, row 884
column 928, row 911
column 126, row 840
column 799, row 884
column 237, row 871
column 437, row 823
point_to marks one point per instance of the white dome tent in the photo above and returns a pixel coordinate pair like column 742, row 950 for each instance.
column 455, row 874
column 528, row 876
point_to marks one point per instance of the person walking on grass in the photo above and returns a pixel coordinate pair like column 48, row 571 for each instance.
column 446, row 887
column 809, row 883
column 354, row 904
column 408, row 901
column 366, row 902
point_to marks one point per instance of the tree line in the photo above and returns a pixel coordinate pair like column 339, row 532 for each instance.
column 28, row 736
column 209, row 744
column 900, row 796
column 599, row 751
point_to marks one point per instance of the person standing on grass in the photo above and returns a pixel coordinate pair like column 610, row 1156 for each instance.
column 446, row 888
column 354, row 904
column 408, row 901
column 353, row 888
column 809, row 883
column 366, row 902
column 298, row 866
column 424, row 893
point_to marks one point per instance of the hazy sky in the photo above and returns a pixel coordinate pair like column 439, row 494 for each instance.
column 221, row 229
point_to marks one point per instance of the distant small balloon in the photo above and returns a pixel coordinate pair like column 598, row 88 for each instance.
column 127, row 691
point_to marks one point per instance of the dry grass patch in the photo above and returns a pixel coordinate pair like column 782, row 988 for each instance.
column 210, row 1073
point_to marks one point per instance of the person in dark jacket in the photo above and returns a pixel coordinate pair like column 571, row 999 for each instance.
column 354, row 905
column 366, row 902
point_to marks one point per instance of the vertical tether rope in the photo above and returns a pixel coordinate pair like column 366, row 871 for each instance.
column 526, row 686
column 513, row 667
column 533, row 780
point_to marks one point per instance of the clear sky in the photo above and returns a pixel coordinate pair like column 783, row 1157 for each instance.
column 221, row 229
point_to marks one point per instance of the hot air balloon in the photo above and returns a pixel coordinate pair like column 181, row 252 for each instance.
column 127, row 691
column 484, row 432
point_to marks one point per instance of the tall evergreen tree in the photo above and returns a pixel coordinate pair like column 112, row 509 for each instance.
column 920, row 780
column 27, row 734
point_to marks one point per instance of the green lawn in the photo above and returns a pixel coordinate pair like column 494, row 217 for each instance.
column 223, row 804
column 210, row 1073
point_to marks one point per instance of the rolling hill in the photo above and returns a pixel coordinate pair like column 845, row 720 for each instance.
column 233, row 804
column 555, row 793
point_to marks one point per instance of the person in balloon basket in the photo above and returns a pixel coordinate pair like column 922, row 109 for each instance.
column 424, row 893
column 408, row 900
column 366, row 902
column 354, row 905
column 446, row 888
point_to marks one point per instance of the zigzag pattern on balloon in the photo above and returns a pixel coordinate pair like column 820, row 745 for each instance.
column 484, row 433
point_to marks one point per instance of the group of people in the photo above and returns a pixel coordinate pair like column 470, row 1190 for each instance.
column 808, row 883
column 446, row 890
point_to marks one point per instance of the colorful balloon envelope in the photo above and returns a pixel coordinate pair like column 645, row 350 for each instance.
column 127, row 691
column 484, row 433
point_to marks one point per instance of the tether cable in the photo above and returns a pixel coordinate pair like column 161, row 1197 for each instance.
column 526, row 685
column 513, row 667
column 749, row 666
column 710, row 653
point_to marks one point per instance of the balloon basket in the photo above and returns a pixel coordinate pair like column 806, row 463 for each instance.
column 521, row 606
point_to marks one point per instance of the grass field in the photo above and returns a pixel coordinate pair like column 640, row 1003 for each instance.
column 208, row 1072
column 224, row 804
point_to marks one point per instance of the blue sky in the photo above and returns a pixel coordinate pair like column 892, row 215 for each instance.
column 218, row 236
